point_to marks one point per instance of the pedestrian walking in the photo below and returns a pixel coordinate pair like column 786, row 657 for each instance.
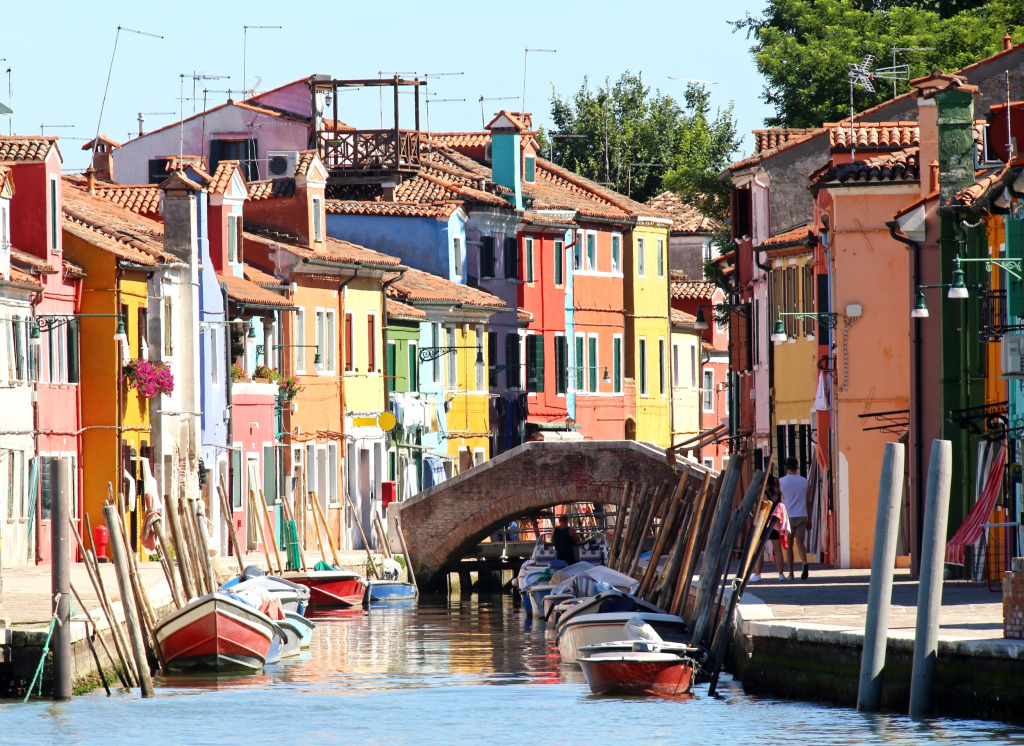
column 797, row 499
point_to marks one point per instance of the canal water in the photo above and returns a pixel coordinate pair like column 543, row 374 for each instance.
column 473, row 671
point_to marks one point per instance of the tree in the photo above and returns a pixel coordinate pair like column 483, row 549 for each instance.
column 803, row 47
column 640, row 142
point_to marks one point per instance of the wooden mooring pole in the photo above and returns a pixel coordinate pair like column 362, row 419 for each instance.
column 60, row 576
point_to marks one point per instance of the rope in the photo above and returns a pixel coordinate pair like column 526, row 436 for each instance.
column 54, row 621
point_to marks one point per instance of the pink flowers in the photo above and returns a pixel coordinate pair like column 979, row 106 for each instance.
column 149, row 379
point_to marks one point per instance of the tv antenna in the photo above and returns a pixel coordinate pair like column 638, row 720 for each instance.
column 894, row 50
column 483, row 98
column 110, row 71
column 694, row 80
column 10, row 101
column 196, row 77
column 427, row 99
column 560, row 136
column 144, row 114
column 44, row 127
column 861, row 74
column 380, row 91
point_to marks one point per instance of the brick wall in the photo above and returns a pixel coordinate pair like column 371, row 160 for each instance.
column 1013, row 601
column 445, row 522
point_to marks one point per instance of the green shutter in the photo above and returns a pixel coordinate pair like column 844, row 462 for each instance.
column 512, row 360
column 1015, row 250
column 72, row 351
column 530, row 169
column 617, row 365
column 579, row 363
column 561, row 365
column 392, row 370
column 538, row 361
column 592, row 349
column 559, row 260
column 414, row 367
column 236, row 479
column 528, row 249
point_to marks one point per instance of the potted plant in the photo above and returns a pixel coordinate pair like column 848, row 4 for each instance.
column 237, row 374
column 265, row 374
column 149, row 379
column 288, row 388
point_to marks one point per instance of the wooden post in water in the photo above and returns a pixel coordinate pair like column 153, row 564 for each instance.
column 405, row 552
column 667, row 524
column 124, row 583
column 228, row 515
column 707, row 500
column 60, row 577
column 180, row 548
column 203, row 548
column 636, row 508
column 165, row 563
column 620, row 515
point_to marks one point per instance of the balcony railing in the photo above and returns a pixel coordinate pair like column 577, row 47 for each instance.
column 994, row 316
column 366, row 156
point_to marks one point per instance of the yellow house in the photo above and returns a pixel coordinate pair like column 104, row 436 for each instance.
column 685, row 376
column 119, row 251
column 646, row 279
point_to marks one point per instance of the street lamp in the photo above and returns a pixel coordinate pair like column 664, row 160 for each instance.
column 427, row 354
column 779, row 336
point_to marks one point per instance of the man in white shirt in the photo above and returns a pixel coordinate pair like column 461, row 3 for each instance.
column 796, row 497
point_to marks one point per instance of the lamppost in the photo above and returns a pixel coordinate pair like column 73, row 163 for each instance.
column 827, row 320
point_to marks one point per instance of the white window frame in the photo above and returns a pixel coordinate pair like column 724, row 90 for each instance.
column 694, row 367
column 675, row 365
column 709, row 463
column 558, row 255
column 617, row 253
column 579, row 257
column 321, row 339
column 641, row 359
column 330, row 353
column 451, row 360
column 593, row 364
column 641, row 264
column 591, row 266
column 318, row 221
column 299, row 351
column 661, row 258
column 457, row 256
column 481, row 368
column 580, row 364
column 435, row 341
column 662, row 366
column 333, row 499
column 707, row 394
column 528, row 266
column 479, row 456
column 622, row 363
column 553, row 359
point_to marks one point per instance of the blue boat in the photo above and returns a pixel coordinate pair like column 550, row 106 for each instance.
column 388, row 591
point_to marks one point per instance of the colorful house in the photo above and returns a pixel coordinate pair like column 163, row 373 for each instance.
column 684, row 369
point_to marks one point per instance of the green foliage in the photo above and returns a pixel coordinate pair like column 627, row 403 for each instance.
column 626, row 123
column 803, row 47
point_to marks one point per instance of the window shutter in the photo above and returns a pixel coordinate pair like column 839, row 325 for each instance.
column 236, row 479
column 371, row 344
column 579, row 363
column 492, row 360
column 617, row 365
column 512, row 360
column 269, row 476
column 348, row 342
column 511, row 258
column 73, row 374
column 561, row 365
column 392, row 369
column 487, row 256
column 592, row 351
column 538, row 357
column 559, row 261
column 1014, row 250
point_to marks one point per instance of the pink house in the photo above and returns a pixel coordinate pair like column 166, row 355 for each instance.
column 52, row 340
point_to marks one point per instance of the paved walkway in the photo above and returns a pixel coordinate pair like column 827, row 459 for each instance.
column 837, row 599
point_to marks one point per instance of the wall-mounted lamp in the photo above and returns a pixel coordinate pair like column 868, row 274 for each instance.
column 958, row 289
column 316, row 358
column 721, row 313
column 120, row 335
column 428, row 354
column 606, row 378
column 779, row 335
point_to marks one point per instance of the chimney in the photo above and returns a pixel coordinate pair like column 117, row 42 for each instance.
column 90, row 179
column 389, row 191
column 933, row 176
column 946, row 130
column 1007, row 42
column 506, row 154
column 180, row 219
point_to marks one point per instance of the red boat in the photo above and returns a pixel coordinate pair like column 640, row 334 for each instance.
column 662, row 674
column 330, row 588
column 216, row 633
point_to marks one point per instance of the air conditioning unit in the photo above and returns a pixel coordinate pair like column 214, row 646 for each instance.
column 1012, row 353
column 281, row 163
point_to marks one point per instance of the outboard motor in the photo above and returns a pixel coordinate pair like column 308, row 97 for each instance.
column 390, row 569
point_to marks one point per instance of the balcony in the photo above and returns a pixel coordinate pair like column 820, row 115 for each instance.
column 369, row 156
column 993, row 316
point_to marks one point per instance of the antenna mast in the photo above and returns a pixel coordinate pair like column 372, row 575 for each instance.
column 861, row 74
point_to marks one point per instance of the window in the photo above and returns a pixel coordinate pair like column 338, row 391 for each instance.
column 47, row 488
column 480, row 367
column 561, row 364
column 54, row 217
column 234, row 239
column 707, row 396
column 269, row 475
column 322, row 339
column 709, row 463
column 311, row 472
column 452, row 359
column 641, row 270
column 530, row 169
column 592, row 362
column 329, row 352
column 616, row 252
column 693, row 367
column 643, row 366
column 535, row 362
column 457, row 256
column 528, row 256
column 512, row 373
column 300, row 339
column 168, row 326
column 318, row 227
column 511, row 258
column 349, row 343
column 390, row 367
column 675, row 366
column 577, row 252
column 661, row 257
column 580, row 362
column 591, row 252
column 617, row 364
column 414, row 367
column 371, row 343
column 661, row 365
column 237, row 485
column 492, row 359
column 332, row 473
column 559, row 262
column 487, row 256
column 243, row 151
column 143, row 347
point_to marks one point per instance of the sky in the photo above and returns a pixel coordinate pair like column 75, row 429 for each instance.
column 59, row 62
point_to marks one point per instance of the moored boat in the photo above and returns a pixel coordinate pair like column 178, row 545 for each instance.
column 388, row 591
column 216, row 632
column 582, row 630
column 330, row 588
column 304, row 626
column 639, row 672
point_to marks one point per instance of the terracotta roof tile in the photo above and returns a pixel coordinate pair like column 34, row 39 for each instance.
column 685, row 218
column 32, row 263
column 417, row 286
column 24, row 278
column 398, row 310
column 681, row 318
column 103, row 139
column 462, row 139
column 789, row 238
column 686, row 289
column 986, row 180
column 391, row 209
column 72, row 270
column 306, row 158
column 785, row 145
column 257, row 275
column 249, row 293
column 123, row 233
column 523, row 315
column 271, row 189
column 334, row 249
column 899, row 166
column 142, row 199
column 874, row 135
column 25, row 147
column 769, row 139
column 222, row 177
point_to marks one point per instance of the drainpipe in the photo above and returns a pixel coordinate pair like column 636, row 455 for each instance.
column 918, row 405
column 231, row 414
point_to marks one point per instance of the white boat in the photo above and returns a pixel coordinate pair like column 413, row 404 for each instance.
column 305, row 627
column 611, row 600
column 291, row 596
column 584, row 630
column 292, row 632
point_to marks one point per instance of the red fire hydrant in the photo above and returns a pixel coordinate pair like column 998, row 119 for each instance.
column 100, row 539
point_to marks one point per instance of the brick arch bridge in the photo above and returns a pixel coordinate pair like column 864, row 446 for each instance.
column 446, row 522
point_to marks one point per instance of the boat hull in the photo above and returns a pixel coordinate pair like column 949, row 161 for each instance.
column 331, row 588
column 595, row 629
column 661, row 674
column 388, row 591
column 216, row 633
column 304, row 626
